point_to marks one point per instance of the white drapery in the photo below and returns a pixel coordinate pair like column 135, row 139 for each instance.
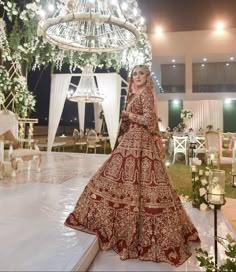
column 205, row 112
column 110, row 86
column 81, row 112
column 163, row 113
column 59, row 88
column 98, row 121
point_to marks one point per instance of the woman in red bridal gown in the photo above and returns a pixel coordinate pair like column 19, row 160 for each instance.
column 130, row 203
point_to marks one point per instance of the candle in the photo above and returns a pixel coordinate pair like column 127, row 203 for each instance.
column 194, row 168
column 212, row 156
column 216, row 195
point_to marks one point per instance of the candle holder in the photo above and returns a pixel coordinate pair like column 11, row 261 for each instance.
column 233, row 172
column 213, row 159
column 216, row 197
column 194, row 171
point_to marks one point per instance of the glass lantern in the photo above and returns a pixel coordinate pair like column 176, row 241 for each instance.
column 216, row 189
column 233, row 172
column 234, row 161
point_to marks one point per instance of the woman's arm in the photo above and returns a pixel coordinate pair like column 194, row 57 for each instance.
column 148, row 118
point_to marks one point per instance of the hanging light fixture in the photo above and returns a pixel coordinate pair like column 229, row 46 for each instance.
column 93, row 25
column 87, row 90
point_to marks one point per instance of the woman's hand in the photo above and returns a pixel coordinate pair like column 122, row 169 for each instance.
column 125, row 115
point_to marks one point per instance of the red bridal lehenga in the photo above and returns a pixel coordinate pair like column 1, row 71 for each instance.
column 130, row 203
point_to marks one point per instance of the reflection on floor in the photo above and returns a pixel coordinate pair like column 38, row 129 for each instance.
column 33, row 207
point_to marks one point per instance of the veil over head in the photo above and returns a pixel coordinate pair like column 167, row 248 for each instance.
column 149, row 85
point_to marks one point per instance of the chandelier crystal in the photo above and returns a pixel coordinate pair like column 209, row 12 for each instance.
column 93, row 25
column 86, row 91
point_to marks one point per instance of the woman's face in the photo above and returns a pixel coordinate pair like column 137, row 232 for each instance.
column 140, row 75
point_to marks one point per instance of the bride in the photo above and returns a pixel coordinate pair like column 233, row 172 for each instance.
column 130, row 203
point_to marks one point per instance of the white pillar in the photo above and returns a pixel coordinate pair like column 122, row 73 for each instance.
column 188, row 77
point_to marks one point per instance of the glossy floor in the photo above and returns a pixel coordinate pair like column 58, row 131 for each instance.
column 33, row 207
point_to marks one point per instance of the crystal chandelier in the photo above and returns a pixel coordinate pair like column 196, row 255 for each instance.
column 86, row 91
column 93, row 25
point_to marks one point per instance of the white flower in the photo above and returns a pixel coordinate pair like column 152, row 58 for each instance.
column 202, row 191
column 201, row 172
column 203, row 207
column 204, row 182
column 196, row 161
column 2, row 98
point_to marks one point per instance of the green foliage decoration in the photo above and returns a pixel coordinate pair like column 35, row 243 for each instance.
column 206, row 261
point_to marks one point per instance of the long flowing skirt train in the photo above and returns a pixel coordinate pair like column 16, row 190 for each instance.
column 130, row 204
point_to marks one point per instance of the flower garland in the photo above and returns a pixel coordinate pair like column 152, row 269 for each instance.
column 200, row 182
column 186, row 114
column 23, row 100
column 5, row 82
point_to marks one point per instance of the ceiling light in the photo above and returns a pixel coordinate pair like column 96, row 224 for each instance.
column 159, row 29
column 227, row 101
column 220, row 26
column 205, row 59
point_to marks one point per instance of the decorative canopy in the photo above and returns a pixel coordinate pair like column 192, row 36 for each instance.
column 93, row 25
column 87, row 90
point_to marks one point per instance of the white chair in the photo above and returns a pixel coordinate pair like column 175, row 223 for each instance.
column 9, row 136
column 180, row 146
column 200, row 146
column 92, row 141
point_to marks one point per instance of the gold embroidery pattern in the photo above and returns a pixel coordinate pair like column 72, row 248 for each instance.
column 130, row 203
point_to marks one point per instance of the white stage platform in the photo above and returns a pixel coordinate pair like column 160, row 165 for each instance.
column 33, row 207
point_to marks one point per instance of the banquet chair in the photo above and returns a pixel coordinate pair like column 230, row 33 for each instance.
column 180, row 146
column 200, row 146
column 91, row 141
column 76, row 136
column 9, row 136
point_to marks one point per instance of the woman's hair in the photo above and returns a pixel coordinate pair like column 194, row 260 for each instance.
column 141, row 66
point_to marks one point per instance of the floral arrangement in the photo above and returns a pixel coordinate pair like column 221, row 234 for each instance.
column 229, row 264
column 5, row 82
column 209, row 127
column 181, row 127
column 200, row 185
column 186, row 114
column 23, row 100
